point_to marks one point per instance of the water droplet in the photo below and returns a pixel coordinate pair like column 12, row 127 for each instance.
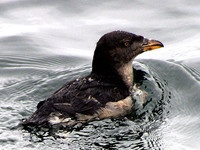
column 90, row 79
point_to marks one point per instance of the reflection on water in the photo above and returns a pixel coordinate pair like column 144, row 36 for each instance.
column 44, row 44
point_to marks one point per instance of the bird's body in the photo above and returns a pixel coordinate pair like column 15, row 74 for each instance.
column 106, row 92
column 82, row 96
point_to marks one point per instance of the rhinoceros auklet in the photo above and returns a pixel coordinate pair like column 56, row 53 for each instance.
column 105, row 92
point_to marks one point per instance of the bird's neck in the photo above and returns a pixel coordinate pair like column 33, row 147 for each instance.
column 126, row 73
column 123, row 76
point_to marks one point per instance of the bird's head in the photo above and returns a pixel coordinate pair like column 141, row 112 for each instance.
column 117, row 48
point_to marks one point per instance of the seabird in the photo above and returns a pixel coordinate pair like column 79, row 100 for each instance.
column 105, row 92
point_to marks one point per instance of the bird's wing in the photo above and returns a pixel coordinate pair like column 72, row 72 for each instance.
column 88, row 105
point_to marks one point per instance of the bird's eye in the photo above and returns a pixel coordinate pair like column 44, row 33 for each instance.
column 126, row 44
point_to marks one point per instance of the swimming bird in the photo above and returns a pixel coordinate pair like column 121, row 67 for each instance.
column 105, row 92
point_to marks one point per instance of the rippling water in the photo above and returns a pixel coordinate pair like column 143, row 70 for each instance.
column 44, row 44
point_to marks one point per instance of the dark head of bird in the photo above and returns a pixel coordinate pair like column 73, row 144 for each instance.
column 115, row 52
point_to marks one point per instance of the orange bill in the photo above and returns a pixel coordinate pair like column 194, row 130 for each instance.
column 149, row 44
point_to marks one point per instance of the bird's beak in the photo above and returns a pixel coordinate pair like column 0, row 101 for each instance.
column 150, row 44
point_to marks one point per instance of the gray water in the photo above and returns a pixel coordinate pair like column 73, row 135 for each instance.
column 45, row 43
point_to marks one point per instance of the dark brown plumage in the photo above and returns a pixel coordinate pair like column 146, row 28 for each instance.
column 93, row 96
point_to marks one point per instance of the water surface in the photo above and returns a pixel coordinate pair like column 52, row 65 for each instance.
column 44, row 44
